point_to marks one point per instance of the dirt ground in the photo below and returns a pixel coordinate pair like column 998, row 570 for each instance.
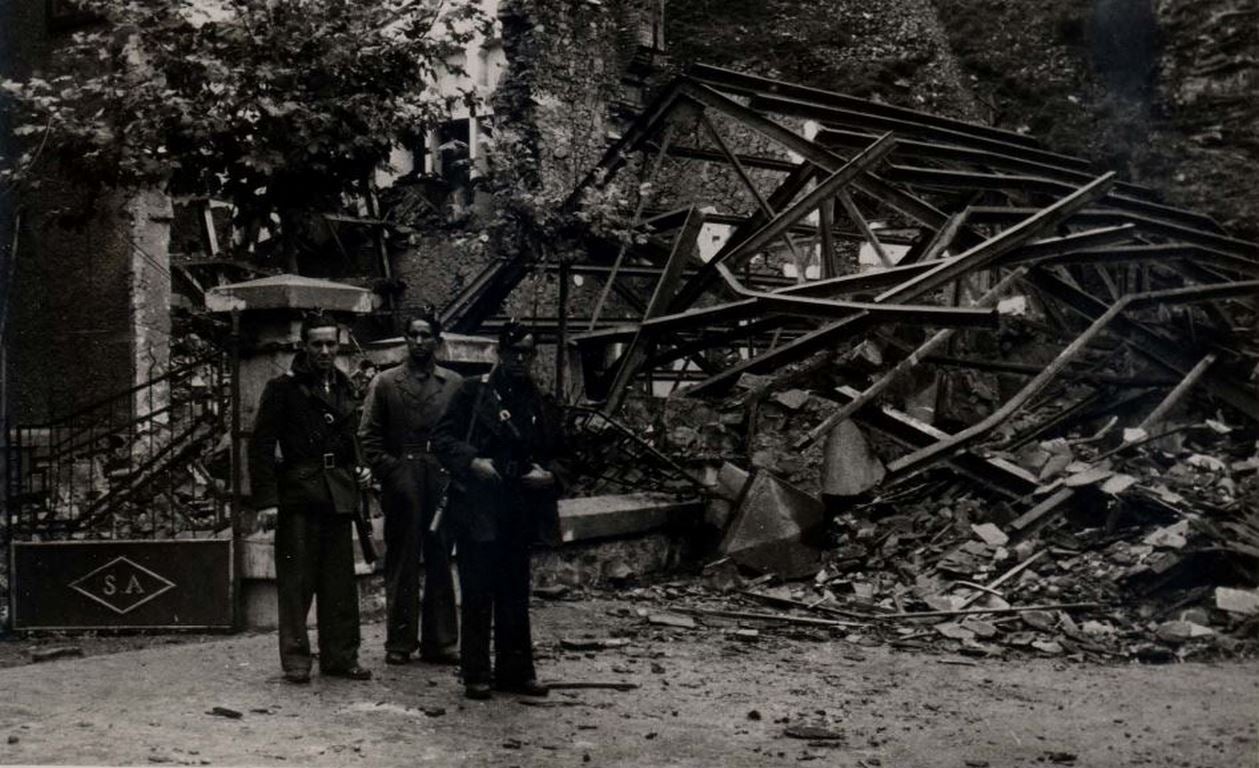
column 706, row 697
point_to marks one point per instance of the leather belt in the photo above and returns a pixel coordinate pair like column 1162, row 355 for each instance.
column 323, row 461
column 416, row 451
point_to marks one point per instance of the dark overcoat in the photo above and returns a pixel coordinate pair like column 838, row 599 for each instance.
column 399, row 414
column 514, row 425
column 302, row 450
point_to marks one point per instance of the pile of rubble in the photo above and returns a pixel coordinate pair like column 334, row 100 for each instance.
column 1133, row 544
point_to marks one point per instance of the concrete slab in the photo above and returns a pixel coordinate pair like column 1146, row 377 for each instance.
column 597, row 517
column 290, row 292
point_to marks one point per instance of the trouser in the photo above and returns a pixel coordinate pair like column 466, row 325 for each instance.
column 314, row 558
column 494, row 579
column 411, row 494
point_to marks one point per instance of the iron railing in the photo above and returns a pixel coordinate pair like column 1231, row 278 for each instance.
column 610, row 457
column 151, row 462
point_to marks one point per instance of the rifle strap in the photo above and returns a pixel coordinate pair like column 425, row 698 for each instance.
column 476, row 407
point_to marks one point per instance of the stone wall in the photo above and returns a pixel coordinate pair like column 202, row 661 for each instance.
column 89, row 294
column 890, row 50
column 70, row 337
column 565, row 62
column 1208, row 75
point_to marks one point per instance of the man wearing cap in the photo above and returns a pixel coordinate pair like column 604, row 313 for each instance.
column 402, row 406
column 501, row 440
column 304, row 474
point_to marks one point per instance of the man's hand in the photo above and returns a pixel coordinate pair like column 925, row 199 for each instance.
column 537, row 478
column 483, row 470
column 266, row 518
column 362, row 476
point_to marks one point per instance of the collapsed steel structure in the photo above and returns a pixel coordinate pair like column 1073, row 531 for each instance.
column 978, row 212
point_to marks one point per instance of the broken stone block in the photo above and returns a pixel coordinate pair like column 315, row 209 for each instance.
column 731, row 480
column 771, row 529
column 1177, row 632
column 1048, row 646
column 1243, row 601
column 954, row 631
column 792, row 399
column 981, row 629
column 1171, row 537
column 1117, row 484
column 991, row 534
column 1042, row 620
column 1087, row 476
column 849, row 467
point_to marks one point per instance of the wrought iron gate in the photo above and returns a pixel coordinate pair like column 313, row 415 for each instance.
column 108, row 498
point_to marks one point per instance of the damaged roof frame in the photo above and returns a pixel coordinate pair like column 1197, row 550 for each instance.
column 943, row 177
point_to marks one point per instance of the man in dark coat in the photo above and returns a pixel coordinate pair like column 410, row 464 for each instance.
column 501, row 441
column 402, row 406
column 304, row 471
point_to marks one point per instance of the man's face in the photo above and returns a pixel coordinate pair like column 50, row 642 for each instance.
column 322, row 345
column 421, row 341
column 517, row 359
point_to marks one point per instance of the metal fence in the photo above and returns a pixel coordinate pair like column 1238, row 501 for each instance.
column 152, row 462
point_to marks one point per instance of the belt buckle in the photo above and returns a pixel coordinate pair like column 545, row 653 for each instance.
column 329, row 461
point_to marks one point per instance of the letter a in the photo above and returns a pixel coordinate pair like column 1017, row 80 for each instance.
column 133, row 585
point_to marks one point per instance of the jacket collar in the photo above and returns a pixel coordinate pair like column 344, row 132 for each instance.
column 301, row 370
column 421, row 371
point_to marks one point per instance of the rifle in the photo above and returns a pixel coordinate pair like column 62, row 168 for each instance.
column 363, row 525
column 440, row 512
column 363, row 515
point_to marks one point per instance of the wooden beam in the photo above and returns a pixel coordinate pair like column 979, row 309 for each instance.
column 1177, row 394
column 938, row 340
column 684, row 247
column 742, row 173
column 935, row 277
column 854, row 214
column 775, row 226
column 926, row 456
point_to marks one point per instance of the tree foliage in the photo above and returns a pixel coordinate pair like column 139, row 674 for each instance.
column 273, row 105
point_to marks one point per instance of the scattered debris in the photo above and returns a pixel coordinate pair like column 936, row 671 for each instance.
column 1244, row 601
column 812, row 733
column 600, row 644
column 671, row 620
column 583, row 685
column 551, row 592
column 55, row 652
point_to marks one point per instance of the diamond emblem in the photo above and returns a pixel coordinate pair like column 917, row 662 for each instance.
column 121, row 585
